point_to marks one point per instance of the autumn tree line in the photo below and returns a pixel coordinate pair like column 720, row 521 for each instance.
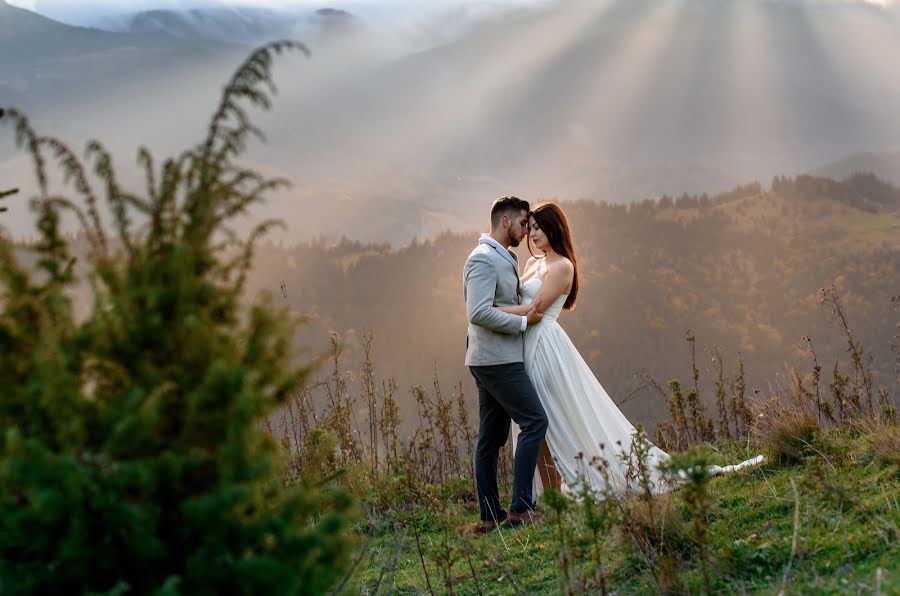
column 741, row 271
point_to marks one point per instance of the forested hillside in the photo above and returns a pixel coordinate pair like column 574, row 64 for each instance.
column 743, row 271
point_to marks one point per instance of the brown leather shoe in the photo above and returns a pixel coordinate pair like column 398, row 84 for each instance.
column 486, row 526
column 526, row 517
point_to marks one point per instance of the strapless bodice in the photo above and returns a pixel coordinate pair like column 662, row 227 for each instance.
column 529, row 291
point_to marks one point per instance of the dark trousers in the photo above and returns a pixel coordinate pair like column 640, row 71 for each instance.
column 505, row 392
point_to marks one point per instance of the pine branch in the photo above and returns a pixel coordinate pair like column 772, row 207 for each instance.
column 7, row 193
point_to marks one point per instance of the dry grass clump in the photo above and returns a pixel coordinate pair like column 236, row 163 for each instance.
column 887, row 444
column 785, row 432
column 884, row 437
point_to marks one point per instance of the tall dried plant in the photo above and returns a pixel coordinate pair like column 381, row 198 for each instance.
column 862, row 374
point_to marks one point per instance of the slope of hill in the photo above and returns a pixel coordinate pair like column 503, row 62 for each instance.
column 45, row 63
column 28, row 39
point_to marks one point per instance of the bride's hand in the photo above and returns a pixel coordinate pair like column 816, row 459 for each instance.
column 533, row 315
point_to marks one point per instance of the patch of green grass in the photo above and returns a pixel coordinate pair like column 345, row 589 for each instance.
column 841, row 503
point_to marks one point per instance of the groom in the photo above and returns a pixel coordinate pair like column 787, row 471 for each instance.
column 494, row 354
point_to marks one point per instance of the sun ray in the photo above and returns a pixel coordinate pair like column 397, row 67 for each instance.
column 556, row 98
column 555, row 102
column 856, row 43
column 477, row 80
column 756, row 109
column 587, row 130
column 522, row 70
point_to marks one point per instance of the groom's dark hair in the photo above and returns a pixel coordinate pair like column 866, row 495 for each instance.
column 505, row 206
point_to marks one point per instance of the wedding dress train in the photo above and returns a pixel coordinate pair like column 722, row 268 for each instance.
column 585, row 424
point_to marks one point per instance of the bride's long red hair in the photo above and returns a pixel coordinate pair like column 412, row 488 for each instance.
column 551, row 219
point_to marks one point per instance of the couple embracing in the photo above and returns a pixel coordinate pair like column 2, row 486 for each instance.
column 527, row 371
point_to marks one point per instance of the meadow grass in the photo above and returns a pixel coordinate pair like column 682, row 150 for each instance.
column 820, row 515
column 828, row 524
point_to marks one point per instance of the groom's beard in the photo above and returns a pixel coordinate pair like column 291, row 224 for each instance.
column 513, row 241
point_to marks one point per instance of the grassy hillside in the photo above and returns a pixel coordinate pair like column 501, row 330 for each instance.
column 821, row 515
column 827, row 523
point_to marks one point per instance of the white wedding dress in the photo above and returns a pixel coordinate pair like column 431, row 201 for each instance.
column 581, row 415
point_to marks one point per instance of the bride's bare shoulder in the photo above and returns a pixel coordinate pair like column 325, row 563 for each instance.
column 563, row 264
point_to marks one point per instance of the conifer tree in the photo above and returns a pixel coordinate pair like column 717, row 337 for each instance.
column 132, row 457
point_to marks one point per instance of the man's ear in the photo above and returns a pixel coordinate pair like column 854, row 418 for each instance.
column 504, row 221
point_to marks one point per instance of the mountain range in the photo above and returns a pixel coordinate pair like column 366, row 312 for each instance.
column 885, row 165
column 239, row 25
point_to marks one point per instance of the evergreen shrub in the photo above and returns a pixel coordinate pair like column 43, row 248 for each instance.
column 132, row 458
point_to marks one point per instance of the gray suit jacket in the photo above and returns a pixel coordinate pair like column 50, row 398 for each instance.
column 491, row 277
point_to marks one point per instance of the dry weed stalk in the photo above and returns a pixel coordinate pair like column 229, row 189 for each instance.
column 362, row 414
column 862, row 375
column 689, row 424
column 721, row 394
column 701, row 427
column 895, row 342
column 740, row 410
column 368, row 391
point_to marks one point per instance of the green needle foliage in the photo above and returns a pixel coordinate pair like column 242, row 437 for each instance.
column 131, row 453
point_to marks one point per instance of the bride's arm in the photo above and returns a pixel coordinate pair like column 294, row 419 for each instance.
column 559, row 277
column 521, row 309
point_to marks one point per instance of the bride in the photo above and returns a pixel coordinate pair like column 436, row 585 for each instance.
column 585, row 426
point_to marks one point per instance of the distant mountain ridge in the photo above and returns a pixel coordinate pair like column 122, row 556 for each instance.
column 48, row 67
column 237, row 24
column 34, row 46
column 57, row 73
column 885, row 165
column 223, row 24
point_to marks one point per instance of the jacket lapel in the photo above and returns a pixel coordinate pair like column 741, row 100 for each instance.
column 505, row 254
column 511, row 258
